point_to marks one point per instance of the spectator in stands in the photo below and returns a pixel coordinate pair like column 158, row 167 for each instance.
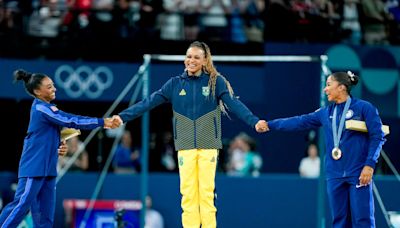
column 153, row 218
column 7, row 13
column 126, row 17
column 303, row 22
column 171, row 22
column 352, row 155
column 351, row 12
column 191, row 18
column 76, row 20
column 310, row 165
column 198, row 96
column 279, row 10
column 243, row 160
column 167, row 150
column 325, row 22
column 101, row 20
column 11, row 24
column 214, row 22
column 149, row 18
column 126, row 158
column 82, row 161
column 393, row 7
column 237, row 25
column 375, row 21
column 46, row 20
column 37, row 172
column 254, row 25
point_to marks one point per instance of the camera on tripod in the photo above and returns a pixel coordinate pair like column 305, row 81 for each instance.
column 119, row 214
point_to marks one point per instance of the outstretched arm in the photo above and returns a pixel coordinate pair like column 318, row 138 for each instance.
column 296, row 123
column 141, row 107
column 160, row 96
column 239, row 109
column 58, row 117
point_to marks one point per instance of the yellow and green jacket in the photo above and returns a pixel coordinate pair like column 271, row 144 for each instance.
column 197, row 115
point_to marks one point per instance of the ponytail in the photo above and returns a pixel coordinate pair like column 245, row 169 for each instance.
column 210, row 69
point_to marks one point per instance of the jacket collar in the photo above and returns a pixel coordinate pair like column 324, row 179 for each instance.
column 187, row 76
column 38, row 101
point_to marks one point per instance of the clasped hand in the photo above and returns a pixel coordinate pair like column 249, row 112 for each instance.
column 113, row 122
column 262, row 126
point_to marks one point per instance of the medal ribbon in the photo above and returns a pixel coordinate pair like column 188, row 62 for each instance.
column 337, row 134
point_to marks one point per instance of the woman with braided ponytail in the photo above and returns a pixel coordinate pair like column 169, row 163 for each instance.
column 198, row 97
column 351, row 155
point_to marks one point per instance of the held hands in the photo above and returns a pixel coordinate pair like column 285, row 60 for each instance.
column 262, row 126
column 108, row 123
column 365, row 176
column 113, row 122
column 117, row 121
column 62, row 149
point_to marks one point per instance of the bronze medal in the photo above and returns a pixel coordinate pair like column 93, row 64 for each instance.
column 336, row 153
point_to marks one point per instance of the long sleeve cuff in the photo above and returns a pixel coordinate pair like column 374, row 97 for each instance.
column 101, row 121
column 370, row 163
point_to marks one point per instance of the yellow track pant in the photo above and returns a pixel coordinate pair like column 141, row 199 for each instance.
column 197, row 169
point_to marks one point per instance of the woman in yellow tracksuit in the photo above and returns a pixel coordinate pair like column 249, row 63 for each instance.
column 197, row 96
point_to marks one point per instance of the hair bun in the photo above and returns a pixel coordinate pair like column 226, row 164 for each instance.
column 22, row 75
column 353, row 78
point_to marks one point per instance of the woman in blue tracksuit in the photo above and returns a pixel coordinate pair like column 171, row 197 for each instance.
column 198, row 96
column 351, row 155
column 37, row 168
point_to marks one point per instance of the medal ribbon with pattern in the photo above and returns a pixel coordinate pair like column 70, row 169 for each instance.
column 337, row 133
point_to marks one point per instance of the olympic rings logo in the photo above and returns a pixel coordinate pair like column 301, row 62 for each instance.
column 84, row 80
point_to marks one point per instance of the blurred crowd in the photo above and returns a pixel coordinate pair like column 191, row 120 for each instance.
column 351, row 21
column 236, row 21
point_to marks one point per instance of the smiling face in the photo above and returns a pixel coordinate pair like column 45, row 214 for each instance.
column 46, row 91
column 334, row 91
column 195, row 60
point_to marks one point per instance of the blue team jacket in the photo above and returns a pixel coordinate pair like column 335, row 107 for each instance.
column 358, row 148
column 39, row 155
column 197, row 116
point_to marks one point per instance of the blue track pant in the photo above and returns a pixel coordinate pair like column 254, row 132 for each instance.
column 351, row 206
column 35, row 193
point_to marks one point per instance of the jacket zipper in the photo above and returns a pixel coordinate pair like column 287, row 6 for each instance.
column 194, row 112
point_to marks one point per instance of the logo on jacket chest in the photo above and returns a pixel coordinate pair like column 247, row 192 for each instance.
column 349, row 114
column 205, row 91
column 182, row 92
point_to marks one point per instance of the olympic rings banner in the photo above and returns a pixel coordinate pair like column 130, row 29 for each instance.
column 378, row 67
column 73, row 80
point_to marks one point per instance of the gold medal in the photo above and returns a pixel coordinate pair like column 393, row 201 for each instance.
column 336, row 153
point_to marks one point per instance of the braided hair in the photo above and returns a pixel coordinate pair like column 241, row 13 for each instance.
column 210, row 69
